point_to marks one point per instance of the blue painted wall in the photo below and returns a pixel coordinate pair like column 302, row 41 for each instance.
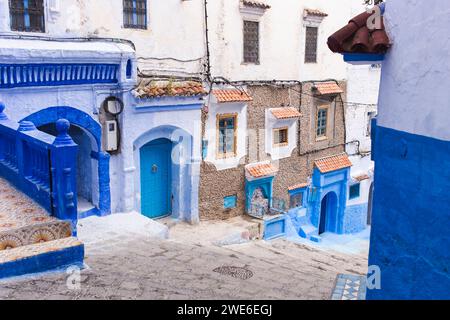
column 410, row 238
column 355, row 218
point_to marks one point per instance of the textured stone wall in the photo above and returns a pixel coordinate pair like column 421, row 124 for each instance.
column 215, row 185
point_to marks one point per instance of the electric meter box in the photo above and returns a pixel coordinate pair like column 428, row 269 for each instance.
column 110, row 134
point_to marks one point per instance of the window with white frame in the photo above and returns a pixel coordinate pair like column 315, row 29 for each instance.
column 27, row 15
column 226, row 135
column 322, row 122
column 135, row 14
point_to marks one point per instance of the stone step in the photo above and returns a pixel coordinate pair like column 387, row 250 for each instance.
column 41, row 257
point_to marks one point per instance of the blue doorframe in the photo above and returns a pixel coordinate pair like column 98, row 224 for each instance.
column 156, row 178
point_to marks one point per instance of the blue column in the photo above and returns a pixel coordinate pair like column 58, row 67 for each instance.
column 104, row 184
column 63, row 161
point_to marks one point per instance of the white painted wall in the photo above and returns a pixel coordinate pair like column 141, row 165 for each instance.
column 211, row 133
column 175, row 29
column 282, row 34
column 280, row 152
column 414, row 95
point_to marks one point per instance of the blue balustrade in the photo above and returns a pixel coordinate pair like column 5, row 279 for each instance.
column 35, row 75
column 40, row 165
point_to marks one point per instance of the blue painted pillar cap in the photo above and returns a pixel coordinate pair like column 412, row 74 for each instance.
column 2, row 108
column 63, row 138
column 26, row 126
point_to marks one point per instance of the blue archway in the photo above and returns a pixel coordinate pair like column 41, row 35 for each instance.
column 87, row 123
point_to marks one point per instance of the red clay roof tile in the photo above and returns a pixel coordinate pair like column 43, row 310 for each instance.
column 255, row 4
column 231, row 95
column 285, row 113
column 298, row 186
column 262, row 170
column 333, row 163
column 355, row 37
column 315, row 12
column 324, row 88
column 154, row 89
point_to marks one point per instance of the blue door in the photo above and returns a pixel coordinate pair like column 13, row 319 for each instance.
column 156, row 178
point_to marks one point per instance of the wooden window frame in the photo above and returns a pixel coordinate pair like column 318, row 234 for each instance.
column 280, row 144
column 325, row 135
column 307, row 43
column 219, row 154
column 258, row 58
column 135, row 11
column 28, row 14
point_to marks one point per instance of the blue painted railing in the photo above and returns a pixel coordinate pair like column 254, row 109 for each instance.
column 40, row 165
column 37, row 75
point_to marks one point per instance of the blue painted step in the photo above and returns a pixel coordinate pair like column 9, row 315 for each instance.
column 41, row 257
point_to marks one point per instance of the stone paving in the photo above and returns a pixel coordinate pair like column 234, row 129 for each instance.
column 134, row 266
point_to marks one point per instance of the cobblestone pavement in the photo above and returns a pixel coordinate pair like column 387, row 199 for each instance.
column 139, row 267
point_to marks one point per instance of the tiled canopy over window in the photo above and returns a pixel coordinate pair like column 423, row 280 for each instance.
column 27, row 15
column 251, row 42
column 135, row 14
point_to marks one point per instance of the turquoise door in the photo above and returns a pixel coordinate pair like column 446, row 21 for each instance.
column 156, row 178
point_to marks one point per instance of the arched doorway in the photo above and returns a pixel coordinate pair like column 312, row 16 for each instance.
column 370, row 206
column 87, row 167
column 87, row 133
column 180, row 185
column 156, row 172
column 328, row 213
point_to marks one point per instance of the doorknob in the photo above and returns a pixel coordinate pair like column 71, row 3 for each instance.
column 154, row 168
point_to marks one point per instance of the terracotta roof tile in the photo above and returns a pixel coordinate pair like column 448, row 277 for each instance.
column 285, row 113
column 262, row 170
column 255, row 4
column 356, row 37
column 298, row 186
column 324, row 88
column 154, row 89
column 333, row 163
column 315, row 12
column 231, row 95
column 361, row 177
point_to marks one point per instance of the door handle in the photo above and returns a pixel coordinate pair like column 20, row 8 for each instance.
column 154, row 168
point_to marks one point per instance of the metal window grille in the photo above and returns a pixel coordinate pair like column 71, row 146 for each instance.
column 27, row 15
column 281, row 136
column 311, row 44
column 322, row 122
column 251, row 42
column 135, row 14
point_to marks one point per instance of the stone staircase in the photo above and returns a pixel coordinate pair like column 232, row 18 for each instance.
column 31, row 240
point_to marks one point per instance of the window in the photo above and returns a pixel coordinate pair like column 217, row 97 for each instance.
column 135, row 14
column 296, row 200
column 27, row 15
column 370, row 116
column 280, row 137
column 230, row 202
column 226, row 127
column 322, row 117
column 354, row 191
column 251, row 42
column 311, row 44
